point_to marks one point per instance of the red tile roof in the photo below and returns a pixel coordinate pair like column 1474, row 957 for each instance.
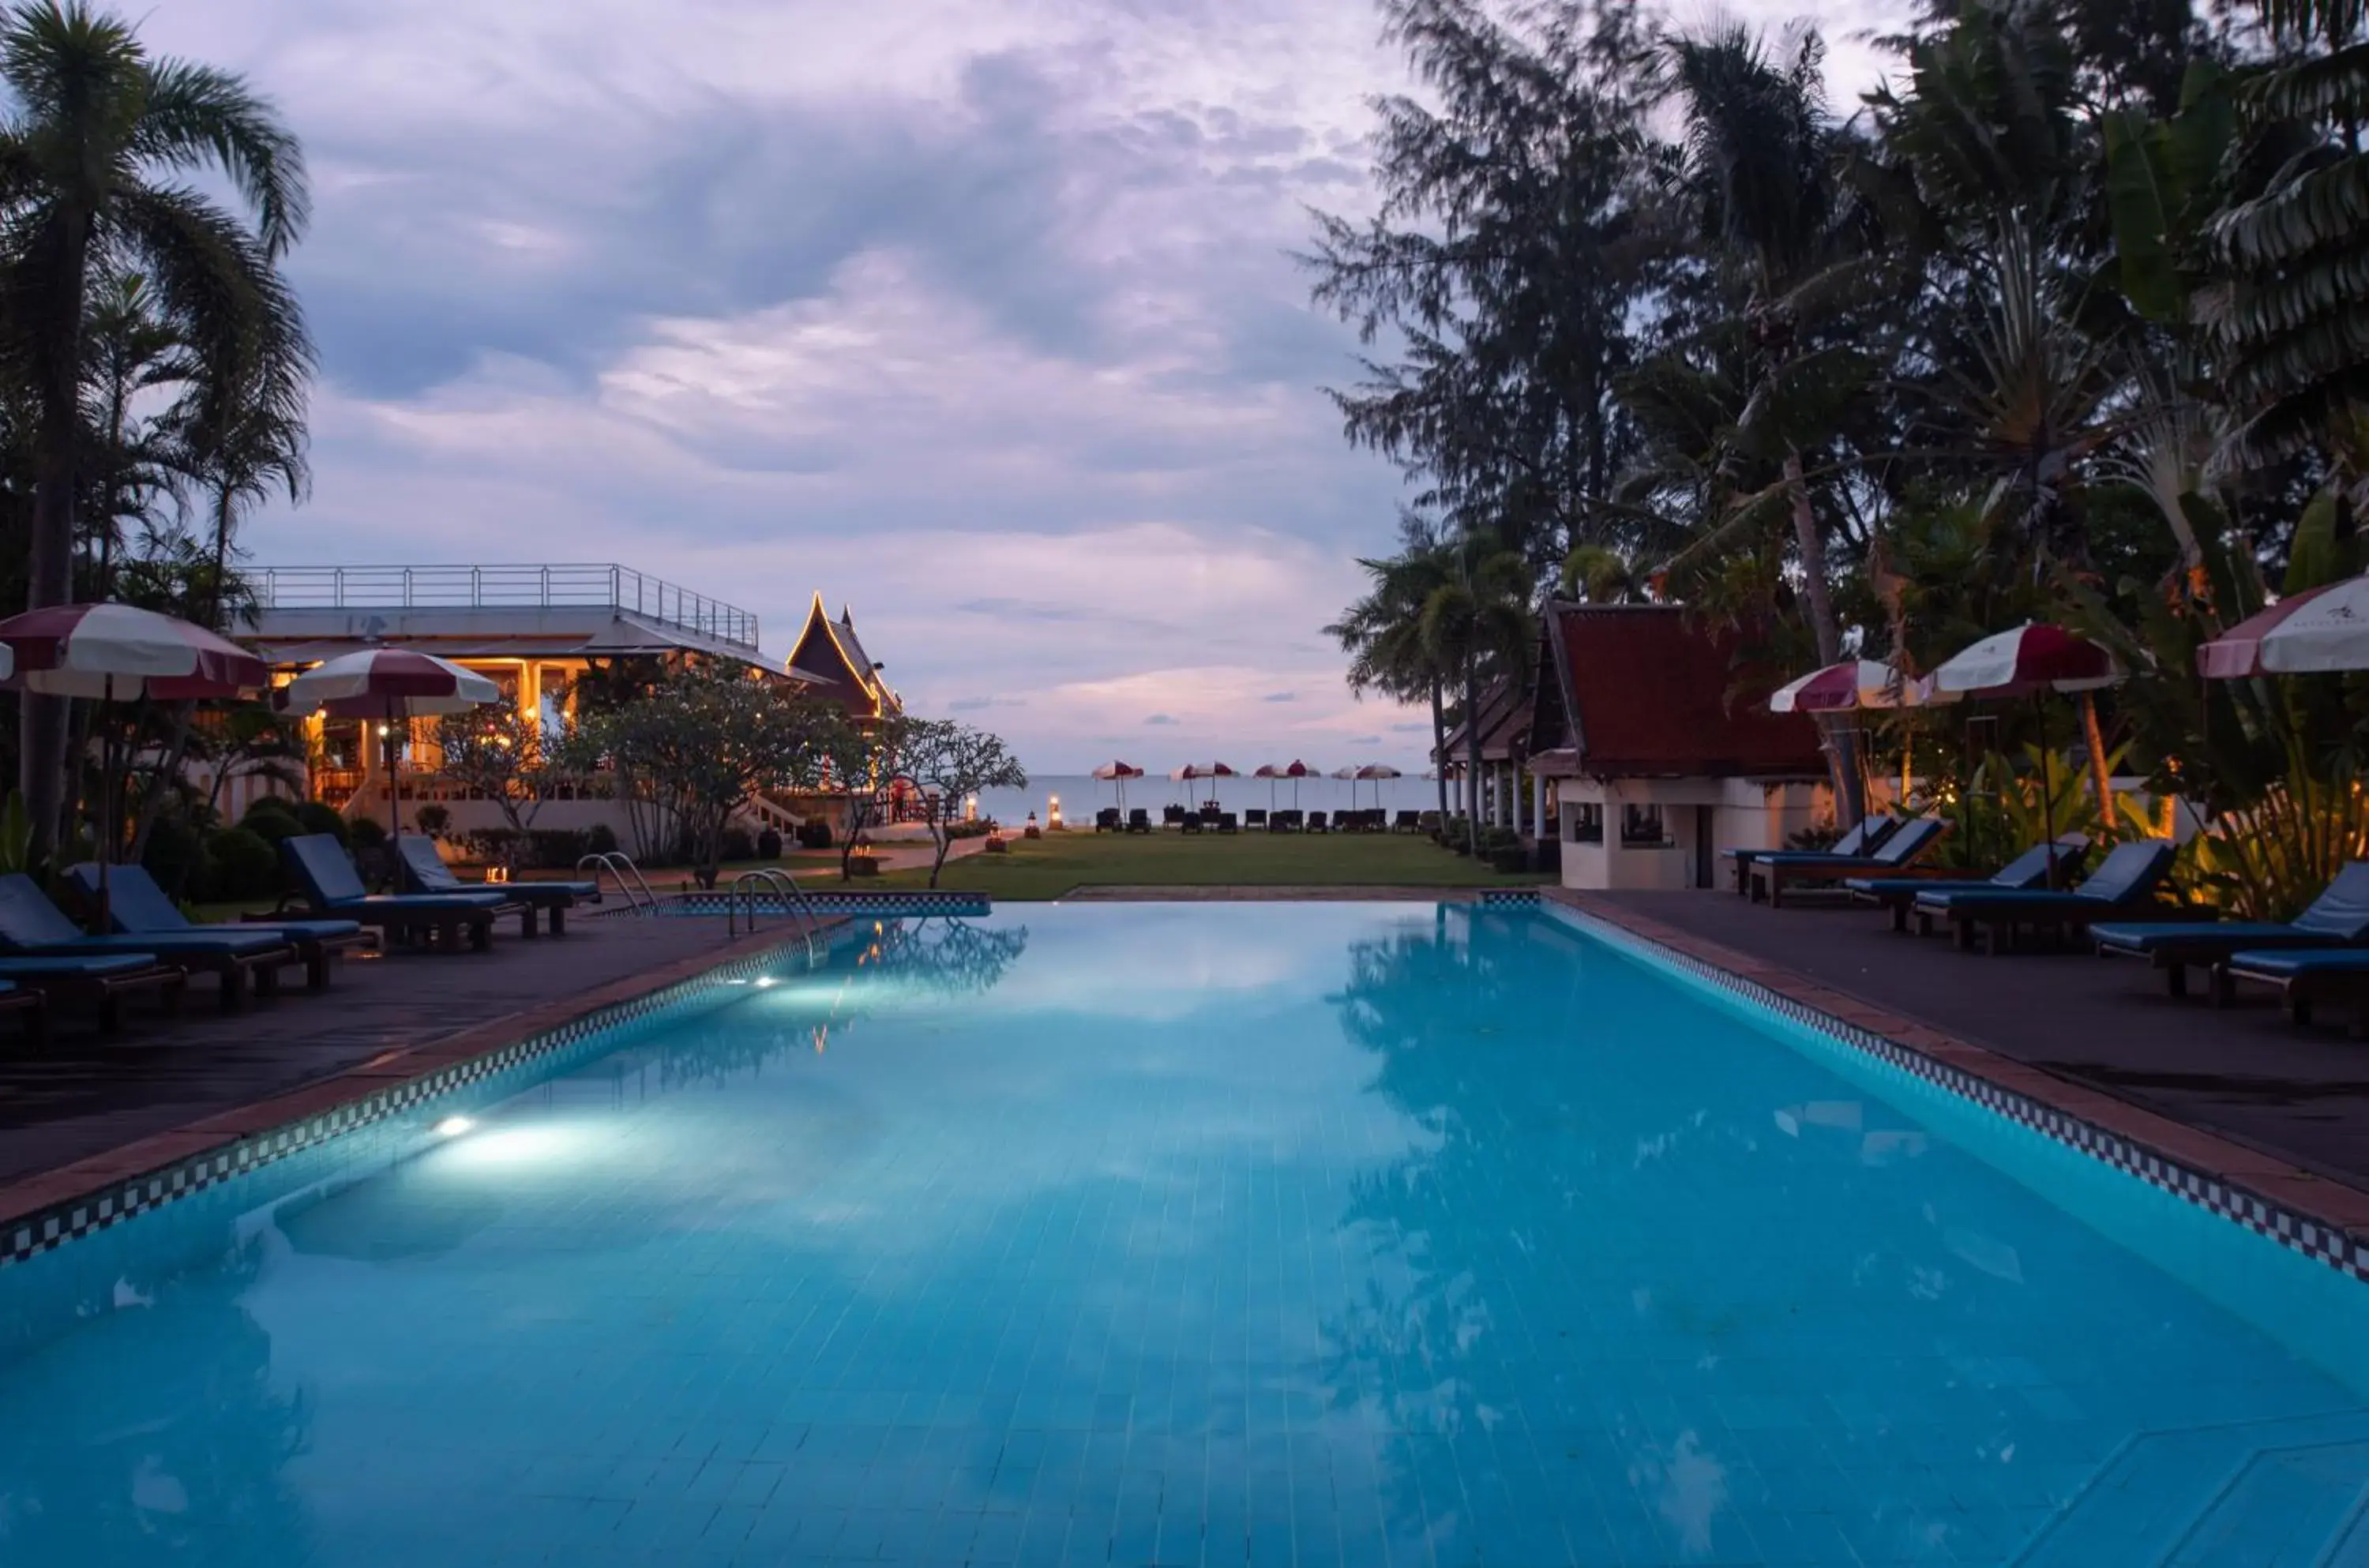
column 1649, row 695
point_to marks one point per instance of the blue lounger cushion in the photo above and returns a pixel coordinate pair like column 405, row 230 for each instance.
column 2338, row 918
column 1859, row 841
column 2128, row 875
column 1898, row 849
column 426, row 871
column 30, row 924
column 74, row 965
column 2302, row 964
column 2029, row 869
column 136, row 906
column 329, row 879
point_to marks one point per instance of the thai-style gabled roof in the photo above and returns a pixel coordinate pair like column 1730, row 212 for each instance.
column 1504, row 720
column 831, row 650
column 1634, row 690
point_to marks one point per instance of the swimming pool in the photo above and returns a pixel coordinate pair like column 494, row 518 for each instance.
column 1190, row 1233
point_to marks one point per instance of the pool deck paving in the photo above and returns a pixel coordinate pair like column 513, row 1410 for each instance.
column 89, row 1110
column 2236, row 1093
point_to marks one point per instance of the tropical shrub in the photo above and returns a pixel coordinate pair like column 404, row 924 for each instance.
column 432, row 818
column 272, row 819
column 241, row 863
column 769, row 844
column 314, row 817
column 2268, row 859
column 737, row 844
column 600, row 839
column 365, row 833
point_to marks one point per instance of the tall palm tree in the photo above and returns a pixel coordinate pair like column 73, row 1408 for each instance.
column 1383, row 633
column 1478, row 623
column 1760, row 165
column 94, row 142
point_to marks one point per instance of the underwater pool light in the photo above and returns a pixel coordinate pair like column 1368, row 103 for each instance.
column 453, row 1126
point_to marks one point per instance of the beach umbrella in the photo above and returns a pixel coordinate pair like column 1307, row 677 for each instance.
column 110, row 651
column 1376, row 772
column 2033, row 660
column 388, row 684
column 1853, row 683
column 1271, row 773
column 2320, row 631
column 1119, row 773
column 1192, row 770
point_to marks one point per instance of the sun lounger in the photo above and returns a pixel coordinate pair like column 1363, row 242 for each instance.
column 1138, row 821
column 1172, row 816
column 425, row 872
column 33, row 1013
column 1428, row 822
column 1106, row 820
column 331, row 887
column 1407, row 822
column 32, row 926
column 1255, row 820
column 1189, row 822
column 1286, row 820
column 2026, row 871
column 137, row 907
column 104, row 978
column 1228, row 823
column 2123, row 883
column 2338, row 918
column 1770, row 874
column 1316, row 823
column 1860, row 842
column 2306, row 979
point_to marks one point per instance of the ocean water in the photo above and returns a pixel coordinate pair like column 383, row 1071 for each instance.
column 1081, row 796
column 1191, row 1235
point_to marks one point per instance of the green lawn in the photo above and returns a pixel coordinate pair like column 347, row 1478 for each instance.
column 1053, row 865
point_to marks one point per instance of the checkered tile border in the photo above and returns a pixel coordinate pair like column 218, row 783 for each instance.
column 917, row 902
column 1528, row 896
column 2283, row 1225
column 63, row 1222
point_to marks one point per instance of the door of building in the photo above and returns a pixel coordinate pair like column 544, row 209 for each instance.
column 1706, row 855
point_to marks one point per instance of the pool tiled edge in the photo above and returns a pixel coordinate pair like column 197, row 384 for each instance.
column 2324, row 1220
column 44, row 1210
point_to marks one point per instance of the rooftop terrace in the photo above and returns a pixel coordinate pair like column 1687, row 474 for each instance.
column 588, row 585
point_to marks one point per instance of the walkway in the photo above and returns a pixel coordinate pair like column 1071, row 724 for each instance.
column 2299, row 1094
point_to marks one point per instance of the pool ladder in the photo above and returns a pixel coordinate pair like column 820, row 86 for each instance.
column 639, row 899
column 793, row 900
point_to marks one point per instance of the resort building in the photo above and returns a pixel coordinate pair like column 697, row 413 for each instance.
column 540, row 632
column 1654, row 763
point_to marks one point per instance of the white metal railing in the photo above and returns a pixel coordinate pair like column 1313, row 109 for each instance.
column 794, row 902
column 620, row 864
column 522, row 587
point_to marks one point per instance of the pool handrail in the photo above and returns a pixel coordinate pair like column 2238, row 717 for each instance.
column 793, row 896
column 620, row 864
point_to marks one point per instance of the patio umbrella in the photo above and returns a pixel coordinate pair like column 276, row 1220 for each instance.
column 386, row 684
column 2033, row 660
column 1856, row 683
column 1270, row 772
column 2320, row 631
column 1192, row 770
column 1120, row 772
column 109, row 650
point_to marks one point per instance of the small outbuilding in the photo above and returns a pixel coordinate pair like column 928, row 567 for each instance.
column 1656, row 760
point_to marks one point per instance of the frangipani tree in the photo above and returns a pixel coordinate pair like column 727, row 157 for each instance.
column 957, row 761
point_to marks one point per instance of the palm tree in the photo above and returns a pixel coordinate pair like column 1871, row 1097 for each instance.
column 1761, row 164
column 1383, row 632
column 92, row 149
column 1475, row 623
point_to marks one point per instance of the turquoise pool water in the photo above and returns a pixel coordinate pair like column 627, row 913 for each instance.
column 1296, row 1234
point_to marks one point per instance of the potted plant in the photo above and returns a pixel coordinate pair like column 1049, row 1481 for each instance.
column 863, row 862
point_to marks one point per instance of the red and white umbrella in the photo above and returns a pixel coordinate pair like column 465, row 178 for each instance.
column 1192, row 770
column 1853, row 683
column 388, row 684
column 2320, row 631
column 1120, row 772
column 2031, row 659
column 1294, row 770
column 110, row 650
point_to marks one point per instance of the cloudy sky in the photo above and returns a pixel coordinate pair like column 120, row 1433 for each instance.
column 974, row 314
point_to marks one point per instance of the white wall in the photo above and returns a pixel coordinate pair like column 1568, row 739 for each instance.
column 1743, row 815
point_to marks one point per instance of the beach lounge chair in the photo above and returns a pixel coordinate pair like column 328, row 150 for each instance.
column 2124, row 883
column 137, row 907
column 1228, row 823
column 1771, row 873
column 1106, row 820
column 2026, row 871
column 331, row 887
column 1190, row 821
column 2338, row 918
column 1316, row 823
column 1285, row 821
column 424, row 871
column 1407, row 822
column 1860, row 842
column 32, row 926
column 2305, row 979
column 1172, row 816
column 104, row 978
column 1428, row 822
column 1255, row 820
column 1138, row 821
column 32, row 1013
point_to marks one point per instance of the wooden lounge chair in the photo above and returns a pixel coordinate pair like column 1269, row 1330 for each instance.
column 32, row 926
column 2123, row 883
column 137, row 907
column 1172, row 816
column 1255, row 820
column 1138, row 821
column 330, row 885
column 2026, row 871
column 424, row 871
column 1316, row 823
column 2338, row 918
column 1860, row 841
column 1286, row 820
column 2307, row 977
column 1190, row 821
column 1106, row 820
column 1771, row 874
column 102, row 979
column 1228, row 823
column 1407, row 822
column 31, row 1010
